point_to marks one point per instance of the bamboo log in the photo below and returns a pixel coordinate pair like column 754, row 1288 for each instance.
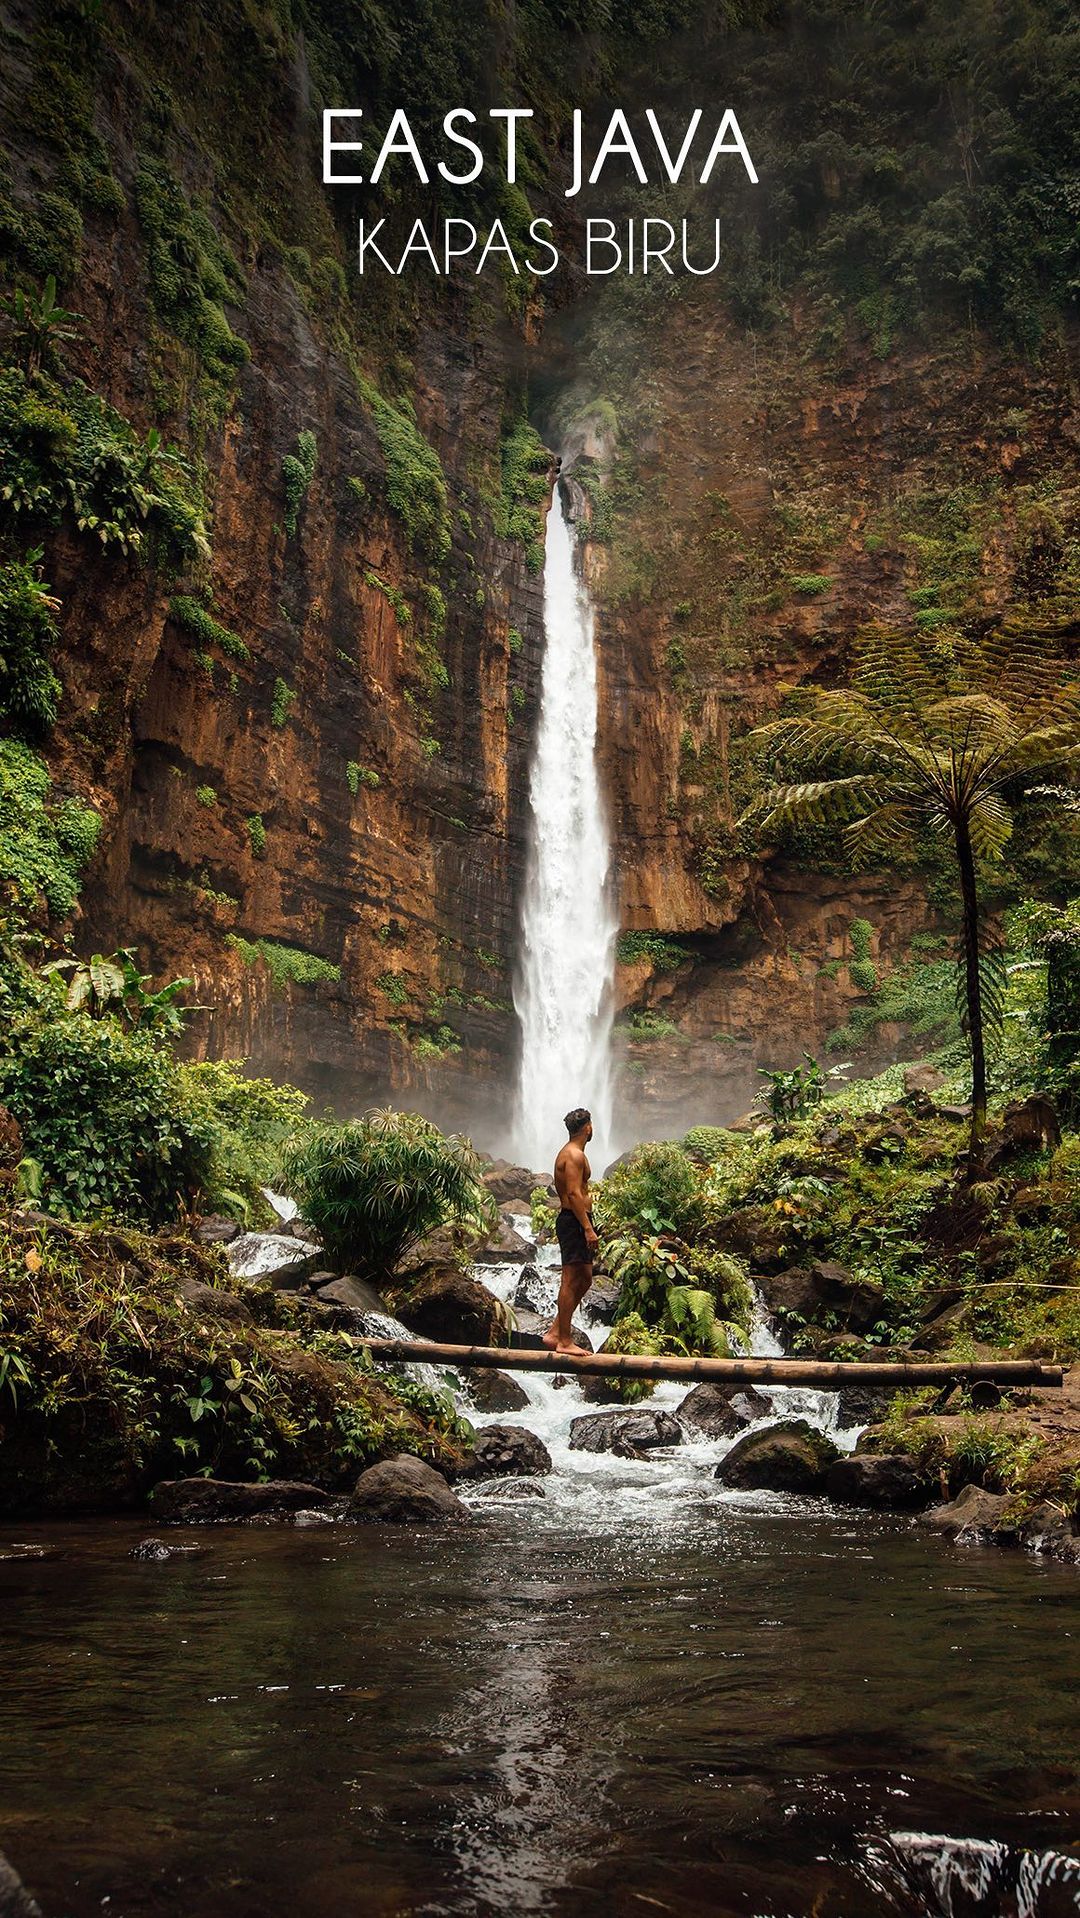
column 827, row 1375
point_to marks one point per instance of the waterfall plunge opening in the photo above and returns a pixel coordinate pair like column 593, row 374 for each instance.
column 563, row 990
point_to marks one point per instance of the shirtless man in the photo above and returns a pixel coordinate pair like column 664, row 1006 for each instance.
column 574, row 1229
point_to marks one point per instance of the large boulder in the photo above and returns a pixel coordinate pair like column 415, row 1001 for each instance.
column 505, row 1246
column 404, row 1491
column 1027, row 1125
column 449, row 1307
column 213, row 1501
column 922, row 1080
column 824, row 1287
column 496, row 1391
column 15, row 1900
column 355, row 1296
column 631, row 1434
column 889, row 1481
column 213, row 1301
column 719, row 1411
column 970, row 1518
column 274, row 1258
column 508, row 1451
column 791, row 1457
column 217, row 1230
column 506, row 1181
column 862, row 1404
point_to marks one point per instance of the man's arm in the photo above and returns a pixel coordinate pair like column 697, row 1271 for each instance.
column 576, row 1196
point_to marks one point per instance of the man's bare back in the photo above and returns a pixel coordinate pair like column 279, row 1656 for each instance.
column 574, row 1229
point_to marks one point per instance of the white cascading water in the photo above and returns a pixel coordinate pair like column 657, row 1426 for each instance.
column 563, row 991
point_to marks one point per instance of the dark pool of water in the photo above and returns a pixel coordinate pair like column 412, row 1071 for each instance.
column 765, row 1711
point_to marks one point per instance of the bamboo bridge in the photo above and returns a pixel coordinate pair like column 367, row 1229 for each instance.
column 825, row 1375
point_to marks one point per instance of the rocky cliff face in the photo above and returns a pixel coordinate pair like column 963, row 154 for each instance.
column 310, row 751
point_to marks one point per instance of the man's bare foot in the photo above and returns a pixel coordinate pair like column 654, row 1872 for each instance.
column 555, row 1344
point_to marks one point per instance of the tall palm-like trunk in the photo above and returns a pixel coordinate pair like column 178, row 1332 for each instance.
column 965, row 860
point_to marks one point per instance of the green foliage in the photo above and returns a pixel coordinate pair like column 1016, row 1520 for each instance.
column 287, row 965
column 663, row 953
column 810, row 585
column 393, row 987
column 298, row 471
column 375, row 1186
column 518, row 512
column 104, row 1114
column 541, row 1215
column 705, row 1144
column 29, row 688
column 357, row 776
column 206, row 796
column 248, row 1121
column 121, row 1382
column 631, row 1335
column 193, row 275
column 44, row 843
column 63, row 450
column 659, row 1187
column 201, row 624
column 863, row 974
column 792, row 1094
column 40, row 327
column 115, row 987
column 861, row 934
column 281, row 702
column 256, row 832
column 415, row 482
column 642, row 1023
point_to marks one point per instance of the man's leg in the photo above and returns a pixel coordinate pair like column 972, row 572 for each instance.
column 573, row 1285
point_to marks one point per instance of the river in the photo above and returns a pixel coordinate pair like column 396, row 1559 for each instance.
column 638, row 1693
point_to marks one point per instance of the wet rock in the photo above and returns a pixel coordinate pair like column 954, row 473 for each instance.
column 508, row 1451
column 214, row 1301
column 15, row 1900
column 791, row 1457
column 889, row 1481
column 506, row 1181
column 496, row 1392
column 1047, row 1530
column 350, row 1293
column 970, row 1518
column 211, row 1501
column 603, row 1391
column 154, row 1550
column 516, row 1489
column 625, row 1434
column 862, row 1404
column 602, row 1300
column 217, row 1231
column 404, row 1491
column 331, row 1513
column 273, row 1257
column 824, row 1287
column 533, row 1290
column 717, row 1411
column 449, row 1307
column 505, row 1246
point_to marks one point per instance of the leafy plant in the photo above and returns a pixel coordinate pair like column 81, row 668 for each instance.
column 287, row 965
column 103, row 987
column 29, row 688
column 791, row 1095
column 281, row 702
column 541, row 1215
column 298, row 471
column 41, row 327
column 938, row 738
column 256, row 832
column 44, row 842
column 373, row 1187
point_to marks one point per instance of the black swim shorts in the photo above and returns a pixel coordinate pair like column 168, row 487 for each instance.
column 571, row 1236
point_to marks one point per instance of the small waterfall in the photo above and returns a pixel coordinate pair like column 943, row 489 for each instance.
column 563, row 990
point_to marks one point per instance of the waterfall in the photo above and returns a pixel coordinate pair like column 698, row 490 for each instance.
column 563, row 989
